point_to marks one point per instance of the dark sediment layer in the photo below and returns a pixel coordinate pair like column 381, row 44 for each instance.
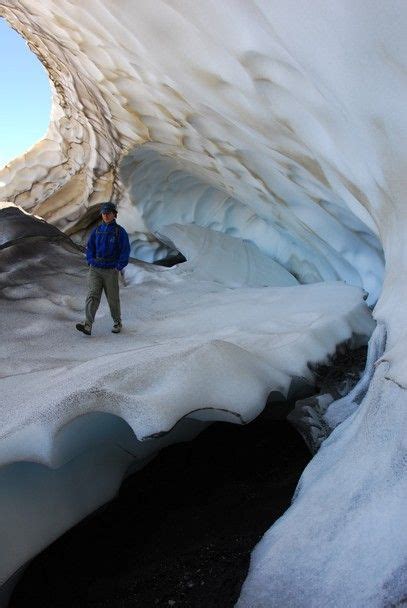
column 340, row 376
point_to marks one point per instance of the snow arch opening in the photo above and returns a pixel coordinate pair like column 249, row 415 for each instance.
column 26, row 99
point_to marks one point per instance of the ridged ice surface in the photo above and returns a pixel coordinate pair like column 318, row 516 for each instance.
column 281, row 125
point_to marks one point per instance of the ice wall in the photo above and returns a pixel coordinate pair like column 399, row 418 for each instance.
column 280, row 123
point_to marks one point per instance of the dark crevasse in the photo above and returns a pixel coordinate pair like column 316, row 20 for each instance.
column 181, row 530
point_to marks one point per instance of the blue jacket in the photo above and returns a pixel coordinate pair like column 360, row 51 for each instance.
column 108, row 246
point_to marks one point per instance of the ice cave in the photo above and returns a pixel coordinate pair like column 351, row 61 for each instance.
column 264, row 143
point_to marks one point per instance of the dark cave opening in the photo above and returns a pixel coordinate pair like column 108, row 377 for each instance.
column 181, row 530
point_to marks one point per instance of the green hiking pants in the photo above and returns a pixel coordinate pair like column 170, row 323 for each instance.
column 107, row 280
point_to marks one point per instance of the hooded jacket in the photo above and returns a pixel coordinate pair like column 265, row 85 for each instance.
column 108, row 246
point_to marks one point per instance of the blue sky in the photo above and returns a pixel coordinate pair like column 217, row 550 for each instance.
column 25, row 97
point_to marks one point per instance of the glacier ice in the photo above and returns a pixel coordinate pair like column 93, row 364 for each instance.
column 269, row 139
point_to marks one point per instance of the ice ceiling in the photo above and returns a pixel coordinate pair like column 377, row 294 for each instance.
column 282, row 126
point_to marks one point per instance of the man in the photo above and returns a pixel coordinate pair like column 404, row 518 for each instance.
column 107, row 253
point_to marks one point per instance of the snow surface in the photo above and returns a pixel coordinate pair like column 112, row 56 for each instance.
column 192, row 350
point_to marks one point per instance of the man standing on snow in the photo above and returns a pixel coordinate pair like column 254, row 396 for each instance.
column 107, row 253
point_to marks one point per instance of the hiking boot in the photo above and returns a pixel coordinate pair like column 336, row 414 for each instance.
column 117, row 327
column 85, row 329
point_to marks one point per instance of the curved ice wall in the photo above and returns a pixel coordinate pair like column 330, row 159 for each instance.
column 282, row 123
column 232, row 118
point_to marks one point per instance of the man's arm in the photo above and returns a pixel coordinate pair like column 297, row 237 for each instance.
column 124, row 246
column 91, row 248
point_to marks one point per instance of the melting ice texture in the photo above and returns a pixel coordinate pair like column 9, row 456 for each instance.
column 77, row 413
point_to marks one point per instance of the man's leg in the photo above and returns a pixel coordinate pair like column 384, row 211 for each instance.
column 111, row 286
column 95, row 288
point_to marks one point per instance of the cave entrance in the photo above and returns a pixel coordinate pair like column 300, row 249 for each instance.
column 25, row 103
column 181, row 530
